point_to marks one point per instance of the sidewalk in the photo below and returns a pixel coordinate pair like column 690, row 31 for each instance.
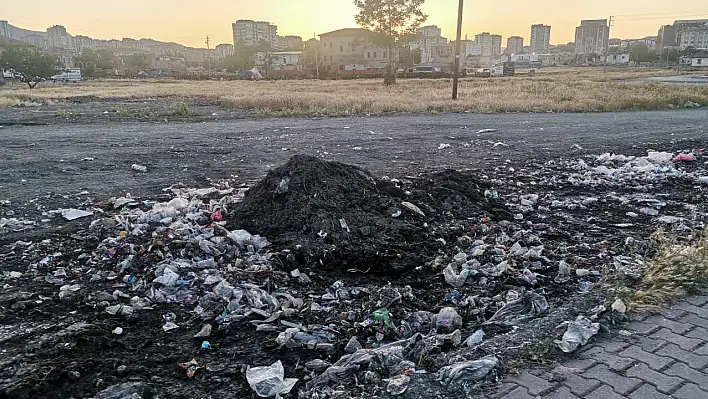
column 665, row 357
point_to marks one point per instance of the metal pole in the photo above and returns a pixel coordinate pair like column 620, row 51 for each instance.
column 317, row 57
column 456, row 79
column 609, row 28
column 208, row 56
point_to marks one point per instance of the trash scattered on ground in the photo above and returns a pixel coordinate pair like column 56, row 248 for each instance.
column 139, row 168
column 358, row 285
column 73, row 214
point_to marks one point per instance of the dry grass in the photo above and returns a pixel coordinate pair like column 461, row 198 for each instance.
column 678, row 270
column 553, row 90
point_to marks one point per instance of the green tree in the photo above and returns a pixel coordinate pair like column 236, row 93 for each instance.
column 242, row 59
column 313, row 56
column 93, row 63
column 394, row 20
column 670, row 55
column 31, row 63
column 640, row 52
column 417, row 56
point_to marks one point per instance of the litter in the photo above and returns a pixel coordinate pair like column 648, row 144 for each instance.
column 139, row 168
column 270, row 381
column 73, row 214
column 468, row 371
column 578, row 334
column 191, row 366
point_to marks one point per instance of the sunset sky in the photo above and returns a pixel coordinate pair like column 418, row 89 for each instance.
column 189, row 22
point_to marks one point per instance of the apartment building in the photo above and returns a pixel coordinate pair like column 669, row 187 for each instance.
column 292, row 43
column 4, row 29
column 429, row 38
column 487, row 45
column 224, row 51
column 83, row 43
column 514, row 45
column 253, row 33
column 59, row 38
column 592, row 37
column 351, row 49
column 540, row 38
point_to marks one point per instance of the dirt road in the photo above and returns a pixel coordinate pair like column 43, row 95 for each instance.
column 65, row 159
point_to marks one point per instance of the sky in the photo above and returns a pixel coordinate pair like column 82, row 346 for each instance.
column 190, row 22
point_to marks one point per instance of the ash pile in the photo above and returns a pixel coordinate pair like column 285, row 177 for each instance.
column 322, row 281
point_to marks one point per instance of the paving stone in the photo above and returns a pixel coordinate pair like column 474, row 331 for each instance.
column 692, row 318
column 604, row 392
column 669, row 336
column 662, row 382
column 654, row 361
column 580, row 385
column 673, row 314
column 561, row 393
column 698, row 333
column 505, row 388
column 690, row 391
column 621, row 384
column 701, row 312
column 642, row 327
column 693, row 358
column 614, row 346
column 649, row 344
column 687, row 373
column 647, row 391
column 518, row 393
column 614, row 362
column 701, row 350
column 580, row 364
column 535, row 386
column 700, row 300
column 676, row 326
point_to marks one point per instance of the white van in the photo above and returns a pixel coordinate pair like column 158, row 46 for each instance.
column 70, row 75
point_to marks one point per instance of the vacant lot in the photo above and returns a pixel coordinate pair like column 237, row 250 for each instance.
column 552, row 90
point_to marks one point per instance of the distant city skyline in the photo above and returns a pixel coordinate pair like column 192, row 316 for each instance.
column 187, row 24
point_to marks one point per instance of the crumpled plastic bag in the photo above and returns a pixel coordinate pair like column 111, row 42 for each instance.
column 468, row 371
column 270, row 380
column 530, row 305
column 242, row 238
column 578, row 333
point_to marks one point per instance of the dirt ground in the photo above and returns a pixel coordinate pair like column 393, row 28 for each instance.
column 61, row 348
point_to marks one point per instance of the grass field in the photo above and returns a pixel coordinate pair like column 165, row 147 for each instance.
column 552, row 90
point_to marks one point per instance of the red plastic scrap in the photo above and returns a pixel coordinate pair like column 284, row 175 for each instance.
column 217, row 216
column 685, row 158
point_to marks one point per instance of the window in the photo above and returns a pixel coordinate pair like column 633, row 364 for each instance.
column 341, row 48
column 368, row 54
column 330, row 44
column 331, row 58
column 375, row 54
column 699, row 61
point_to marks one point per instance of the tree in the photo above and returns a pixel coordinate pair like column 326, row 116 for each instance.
column 394, row 20
column 31, row 63
column 239, row 61
column 417, row 56
column 669, row 55
column 640, row 52
column 93, row 62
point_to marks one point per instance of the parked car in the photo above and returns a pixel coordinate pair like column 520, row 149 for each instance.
column 483, row 73
column 70, row 75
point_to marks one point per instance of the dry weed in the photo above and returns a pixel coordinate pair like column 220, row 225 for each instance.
column 553, row 90
column 679, row 269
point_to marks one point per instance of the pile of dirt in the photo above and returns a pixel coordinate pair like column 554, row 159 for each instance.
column 342, row 217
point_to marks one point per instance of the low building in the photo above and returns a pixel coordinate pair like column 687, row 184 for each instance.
column 698, row 60
column 618, row 59
column 351, row 50
column 287, row 60
column 224, row 51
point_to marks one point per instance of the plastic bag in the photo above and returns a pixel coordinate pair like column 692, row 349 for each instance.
column 448, row 320
column 270, row 380
column 514, row 313
column 468, row 371
column 578, row 333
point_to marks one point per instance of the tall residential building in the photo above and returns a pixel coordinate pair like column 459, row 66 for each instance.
column 488, row 45
column 429, row 38
column 540, row 38
column 224, row 51
column 692, row 33
column 59, row 38
column 254, row 33
column 592, row 37
column 4, row 29
column 666, row 37
column 514, row 45
column 293, row 43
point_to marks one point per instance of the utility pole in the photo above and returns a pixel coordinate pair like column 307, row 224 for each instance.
column 208, row 56
column 317, row 57
column 609, row 28
column 456, row 79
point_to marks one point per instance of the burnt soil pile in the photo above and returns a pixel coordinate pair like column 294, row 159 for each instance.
column 343, row 218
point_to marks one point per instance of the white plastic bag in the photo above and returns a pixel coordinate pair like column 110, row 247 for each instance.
column 270, row 380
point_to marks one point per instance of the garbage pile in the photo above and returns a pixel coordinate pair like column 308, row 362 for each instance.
column 322, row 281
